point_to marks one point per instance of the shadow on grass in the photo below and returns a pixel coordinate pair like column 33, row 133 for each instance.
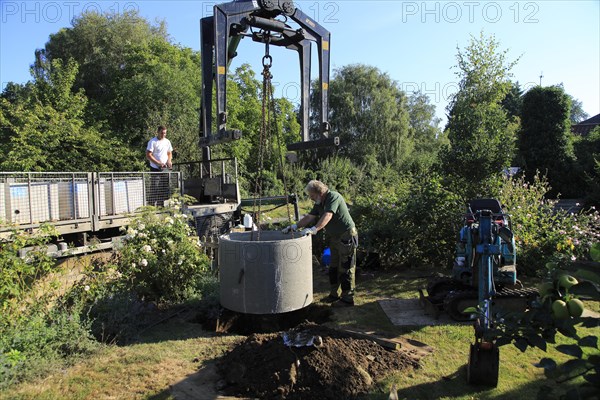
column 454, row 385
column 201, row 385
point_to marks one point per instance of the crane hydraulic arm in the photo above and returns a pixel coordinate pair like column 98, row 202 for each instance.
column 220, row 37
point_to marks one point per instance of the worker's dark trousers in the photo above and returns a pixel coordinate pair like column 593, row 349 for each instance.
column 159, row 187
column 343, row 265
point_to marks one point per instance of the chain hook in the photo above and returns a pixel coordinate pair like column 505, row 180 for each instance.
column 267, row 60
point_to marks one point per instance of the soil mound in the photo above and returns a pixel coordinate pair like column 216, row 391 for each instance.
column 327, row 364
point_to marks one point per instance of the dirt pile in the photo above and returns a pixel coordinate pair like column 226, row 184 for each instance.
column 336, row 365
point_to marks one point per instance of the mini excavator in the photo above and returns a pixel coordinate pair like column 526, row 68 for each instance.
column 484, row 282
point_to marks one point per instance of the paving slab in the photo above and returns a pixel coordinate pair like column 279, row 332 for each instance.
column 409, row 312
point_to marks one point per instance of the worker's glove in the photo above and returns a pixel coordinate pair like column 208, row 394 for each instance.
column 289, row 228
column 309, row 231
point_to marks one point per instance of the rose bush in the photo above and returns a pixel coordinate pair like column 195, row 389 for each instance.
column 161, row 259
column 543, row 233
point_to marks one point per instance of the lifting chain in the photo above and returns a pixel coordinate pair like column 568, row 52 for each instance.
column 268, row 120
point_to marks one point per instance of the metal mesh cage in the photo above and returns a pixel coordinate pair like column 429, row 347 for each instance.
column 80, row 201
column 29, row 198
column 126, row 192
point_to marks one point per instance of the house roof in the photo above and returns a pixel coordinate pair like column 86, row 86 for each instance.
column 585, row 127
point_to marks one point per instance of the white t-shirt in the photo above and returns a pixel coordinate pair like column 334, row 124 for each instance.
column 160, row 150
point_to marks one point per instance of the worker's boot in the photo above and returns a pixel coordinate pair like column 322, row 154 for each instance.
column 347, row 285
column 343, row 303
column 334, row 292
column 329, row 299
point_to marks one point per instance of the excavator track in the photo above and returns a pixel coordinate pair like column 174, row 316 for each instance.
column 439, row 288
column 506, row 299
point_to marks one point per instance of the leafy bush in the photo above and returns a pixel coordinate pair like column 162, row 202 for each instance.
column 559, row 310
column 414, row 222
column 296, row 178
column 35, row 333
column 36, row 330
column 340, row 174
column 34, row 344
column 160, row 259
column 111, row 312
column 542, row 233
column 18, row 275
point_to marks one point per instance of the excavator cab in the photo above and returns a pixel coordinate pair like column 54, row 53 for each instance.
column 466, row 261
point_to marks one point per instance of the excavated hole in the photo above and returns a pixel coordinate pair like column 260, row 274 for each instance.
column 227, row 321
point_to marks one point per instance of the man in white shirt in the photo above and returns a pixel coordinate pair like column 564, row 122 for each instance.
column 159, row 153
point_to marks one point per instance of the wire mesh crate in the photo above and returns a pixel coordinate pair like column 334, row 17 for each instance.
column 31, row 198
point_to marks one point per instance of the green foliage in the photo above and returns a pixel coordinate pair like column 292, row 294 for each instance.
column 134, row 78
column 543, row 234
column 595, row 252
column 413, row 223
column 369, row 114
column 244, row 112
column 42, row 327
column 428, row 138
column 296, row 177
column 36, row 344
column 160, row 260
column 482, row 136
column 266, row 183
column 558, row 311
column 341, row 175
column 545, row 140
column 18, row 275
column 35, row 331
column 513, row 102
column 44, row 129
column 577, row 114
column 587, row 151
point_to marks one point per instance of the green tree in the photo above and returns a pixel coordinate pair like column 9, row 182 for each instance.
column 481, row 134
column 368, row 111
column 513, row 101
column 43, row 127
column 545, row 140
column 244, row 112
column 577, row 113
column 134, row 77
column 425, row 131
column 587, row 151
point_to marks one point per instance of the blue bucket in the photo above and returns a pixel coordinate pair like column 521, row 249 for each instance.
column 326, row 256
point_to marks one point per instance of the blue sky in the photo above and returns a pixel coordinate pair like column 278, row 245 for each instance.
column 415, row 42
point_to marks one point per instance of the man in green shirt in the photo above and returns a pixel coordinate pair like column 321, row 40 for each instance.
column 331, row 212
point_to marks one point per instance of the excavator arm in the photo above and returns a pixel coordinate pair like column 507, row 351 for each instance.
column 257, row 19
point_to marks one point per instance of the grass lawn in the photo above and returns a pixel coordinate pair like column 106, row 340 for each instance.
column 172, row 360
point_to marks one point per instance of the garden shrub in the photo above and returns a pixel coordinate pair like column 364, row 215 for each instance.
column 159, row 263
column 35, row 344
column 341, row 175
column 414, row 222
column 37, row 331
column 296, row 178
column 161, row 260
column 543, row 233
column 112, row 312
column 18, row 275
